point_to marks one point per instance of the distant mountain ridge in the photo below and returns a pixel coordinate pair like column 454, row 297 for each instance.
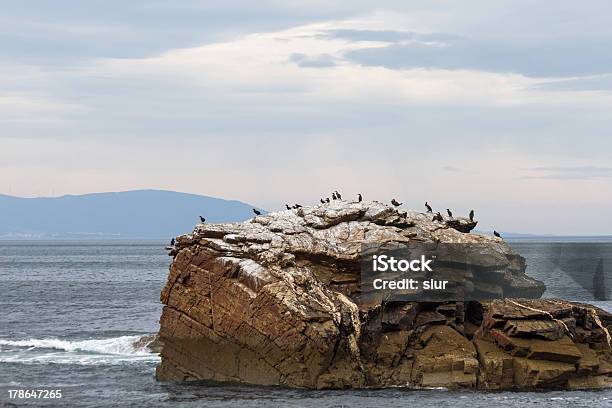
column 127, row 214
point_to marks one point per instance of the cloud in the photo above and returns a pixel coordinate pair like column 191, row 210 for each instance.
column 592, row 83
column 391, row 36
column 309, row 61
column 571, row 172
column 245, row 86
column 66, row 32
column 544, row 58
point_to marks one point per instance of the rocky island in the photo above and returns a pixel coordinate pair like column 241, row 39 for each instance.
column 277, row 300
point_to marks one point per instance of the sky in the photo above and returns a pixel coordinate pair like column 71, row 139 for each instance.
column 503, row 107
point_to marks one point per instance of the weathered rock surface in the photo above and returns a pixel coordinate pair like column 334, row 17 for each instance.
column 277, row 301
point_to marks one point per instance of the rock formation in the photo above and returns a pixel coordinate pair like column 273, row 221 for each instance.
column 277, row 301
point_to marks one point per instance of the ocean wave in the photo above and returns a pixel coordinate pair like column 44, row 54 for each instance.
column 92, row 351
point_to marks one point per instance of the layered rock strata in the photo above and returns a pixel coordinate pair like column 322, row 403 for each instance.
column 277, row 301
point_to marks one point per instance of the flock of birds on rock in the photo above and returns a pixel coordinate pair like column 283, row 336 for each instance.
column 336, row 196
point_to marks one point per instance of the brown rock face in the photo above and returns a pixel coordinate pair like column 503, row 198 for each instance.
column 276, row 301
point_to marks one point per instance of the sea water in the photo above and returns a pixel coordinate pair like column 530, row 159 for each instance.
column 70, row 313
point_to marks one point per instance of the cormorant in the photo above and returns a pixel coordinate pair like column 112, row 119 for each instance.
column 172, row 241
column 359, row 198
column 429, row 209
column 334, row 196
column 322, row 201
column 338, row 195
column 438, row 217
column 287, row 206
column 472, row 215
column 496, row 234
column 202, row 219
column 449, row 212
column 256, row 212
column 297, row 206
column 327, row 200
column 395, row 203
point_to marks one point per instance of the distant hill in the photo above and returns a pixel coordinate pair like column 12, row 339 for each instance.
column 129, row 214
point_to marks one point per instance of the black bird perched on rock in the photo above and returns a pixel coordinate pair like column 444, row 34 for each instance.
column 472, row 215
column 297, row 206
column 429, row 209
column 322, row 201
column 359, row 198
column 287, row 206
column 202, row 219
column 172, row 242
column 438, row 217
column 327, row 200
column 496, row 234
column 338, row 195
column 449, row 212
column 334, row 196
column 256, row 212
column 395, row 203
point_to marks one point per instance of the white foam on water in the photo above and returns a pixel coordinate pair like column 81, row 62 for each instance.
column 116, row 350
